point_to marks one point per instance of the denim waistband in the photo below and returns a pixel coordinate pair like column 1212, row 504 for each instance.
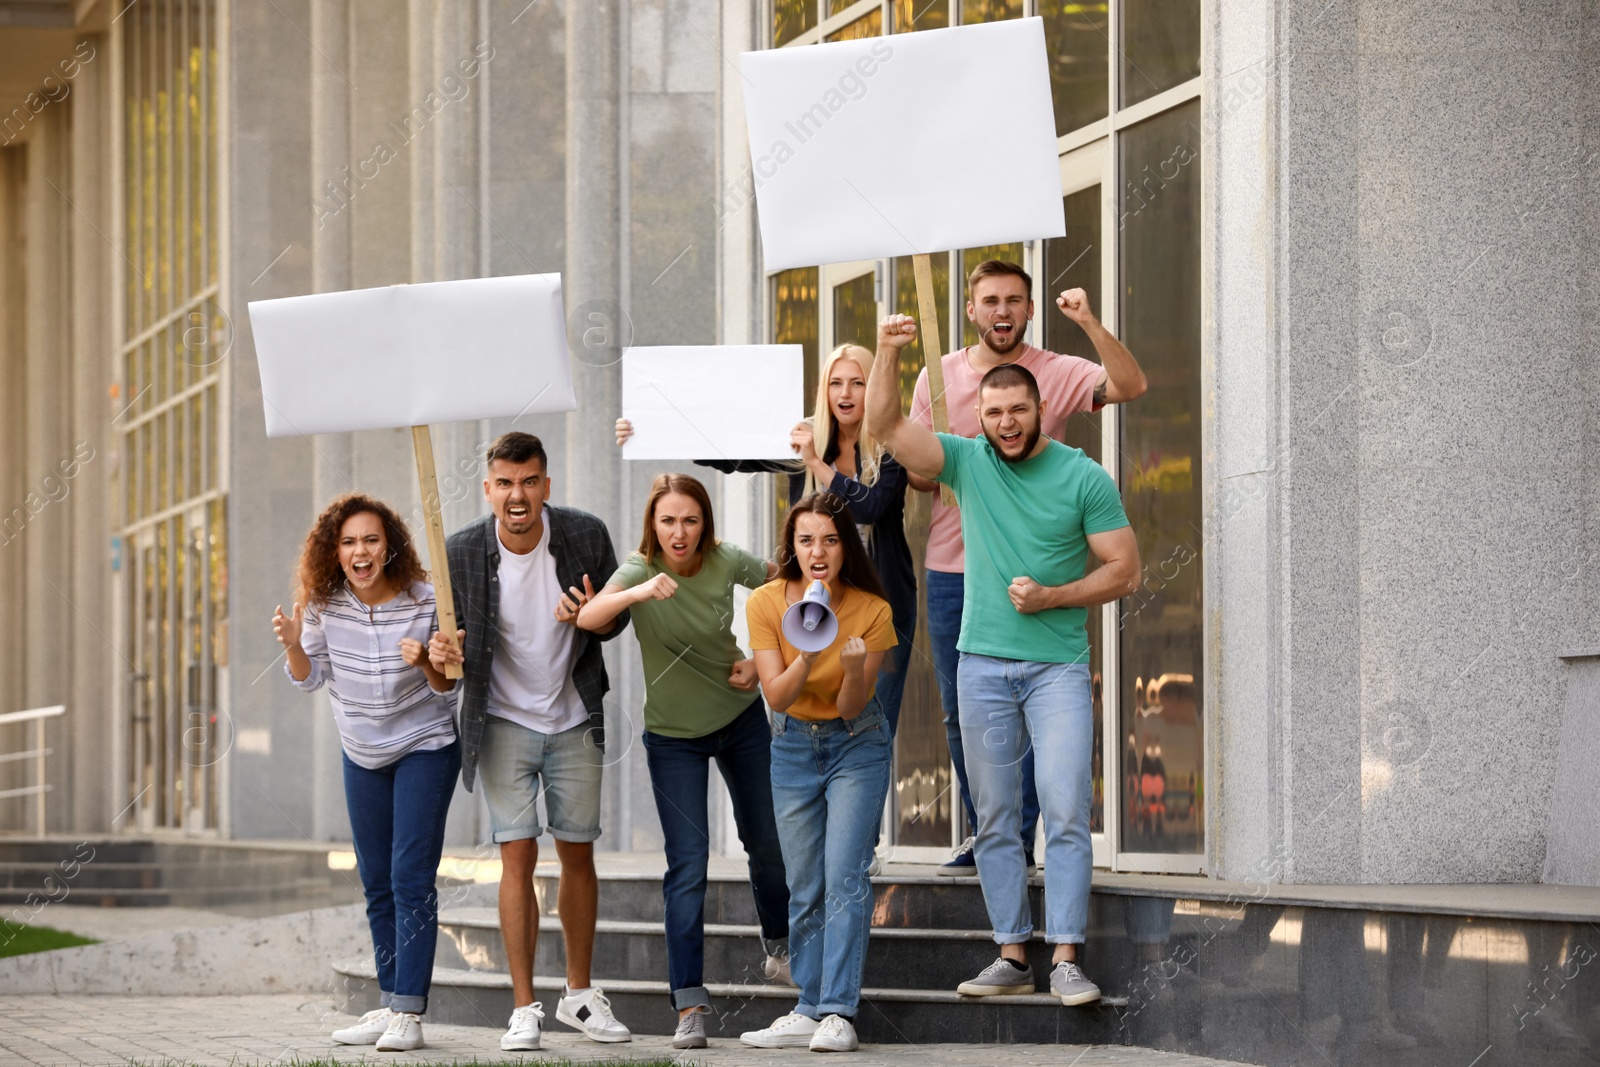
column 873, row 716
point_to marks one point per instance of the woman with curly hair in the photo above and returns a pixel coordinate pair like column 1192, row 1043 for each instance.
column 830, row 765
column 360, row 625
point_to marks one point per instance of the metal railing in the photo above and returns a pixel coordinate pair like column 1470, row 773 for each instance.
column 37, row 716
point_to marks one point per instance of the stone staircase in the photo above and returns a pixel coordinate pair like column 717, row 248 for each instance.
column 929, row 933
column 245, row 879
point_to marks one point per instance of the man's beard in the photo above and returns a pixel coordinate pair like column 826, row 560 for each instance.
column 1009, row 344
column 1030, row 438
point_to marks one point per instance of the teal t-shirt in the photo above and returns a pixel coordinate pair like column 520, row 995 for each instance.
column 1026, row 519
column 686, row 641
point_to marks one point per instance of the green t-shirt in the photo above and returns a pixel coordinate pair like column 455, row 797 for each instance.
column 686, row 641
column 1026, row 519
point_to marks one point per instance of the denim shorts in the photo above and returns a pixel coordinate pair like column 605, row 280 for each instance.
column 518, row 765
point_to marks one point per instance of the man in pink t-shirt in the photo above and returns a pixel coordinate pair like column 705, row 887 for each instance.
column 1000, row 305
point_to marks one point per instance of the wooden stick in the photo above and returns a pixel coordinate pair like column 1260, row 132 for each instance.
column 428, row 479
column 932, row 352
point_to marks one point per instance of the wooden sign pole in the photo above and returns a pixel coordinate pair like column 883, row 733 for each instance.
column 932, row 352
column 433, row 519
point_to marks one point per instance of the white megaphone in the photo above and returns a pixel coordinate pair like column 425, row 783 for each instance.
column 810, row 624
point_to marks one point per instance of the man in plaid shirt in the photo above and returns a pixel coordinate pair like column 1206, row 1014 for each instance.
column 530, row 714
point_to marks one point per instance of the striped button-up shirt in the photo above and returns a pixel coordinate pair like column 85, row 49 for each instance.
column 384, row 706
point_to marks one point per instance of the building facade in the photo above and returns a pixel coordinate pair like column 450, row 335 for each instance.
column 1353, row 246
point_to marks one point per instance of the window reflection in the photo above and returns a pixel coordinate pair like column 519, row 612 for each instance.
column 794, row 319
column 1160, row 626
column 868, row 25
column 989, row 10
column 1076, row 38
column 855, row 312
column 1160, row 47
column 791, row 18
column 911, row 15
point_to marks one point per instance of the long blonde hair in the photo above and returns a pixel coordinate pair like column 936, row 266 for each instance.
column 822, row 424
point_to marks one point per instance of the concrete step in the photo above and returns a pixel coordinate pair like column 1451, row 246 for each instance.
column 939, row 959
column 888, row 1015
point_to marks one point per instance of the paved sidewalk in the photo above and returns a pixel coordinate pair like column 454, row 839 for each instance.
column 281, row 1029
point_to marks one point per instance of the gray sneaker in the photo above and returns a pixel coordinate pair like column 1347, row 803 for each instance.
column 1068, row 982
column 691, row 1030
column 1000, row 979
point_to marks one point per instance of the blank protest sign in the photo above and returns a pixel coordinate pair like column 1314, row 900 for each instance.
column 850, row 144
column 712, row 402
column 411, row 355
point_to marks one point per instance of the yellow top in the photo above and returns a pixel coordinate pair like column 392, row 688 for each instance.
column 860, row 615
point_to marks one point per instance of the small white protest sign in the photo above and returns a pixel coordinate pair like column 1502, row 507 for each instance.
column 712, row 402
column 851, row 144
column 411, row 355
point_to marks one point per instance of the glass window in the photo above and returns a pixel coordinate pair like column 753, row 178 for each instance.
column 970, row 258
column 837, row 6
column 920, row 15
column 868, row 25
column 1077, row 40
column 855, row 312
column 794, row 318
column 1160, row 47
column 1160, row 626
column 791, row 18
column 989, row 10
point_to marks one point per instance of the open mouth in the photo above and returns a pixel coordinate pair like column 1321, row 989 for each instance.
column 1003, row 329
column 1011, row 438
column 819, row 570
column 678, row 550
column 846, row 406
column 363, row 568
column 517, row 512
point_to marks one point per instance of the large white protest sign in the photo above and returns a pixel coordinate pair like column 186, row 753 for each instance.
column 712, row 402
column 410, row 355
column 850, row 144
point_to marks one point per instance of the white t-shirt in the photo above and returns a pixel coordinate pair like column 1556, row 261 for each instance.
column 530, row 681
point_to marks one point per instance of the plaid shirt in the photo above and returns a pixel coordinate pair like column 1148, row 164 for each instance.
column 581, row 545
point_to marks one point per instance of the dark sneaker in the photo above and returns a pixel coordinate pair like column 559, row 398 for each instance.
column 1068, row 982
column 964, row 860
column 1000, row 979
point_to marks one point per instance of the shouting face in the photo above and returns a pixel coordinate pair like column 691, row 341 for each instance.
column 516, row 493
column 1010, row 419
column 817, row 547
column 1000, row 308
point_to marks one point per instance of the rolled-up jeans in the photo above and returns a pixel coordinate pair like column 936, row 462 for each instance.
column 397, row 816
column 1005, row 704
column 829, row 780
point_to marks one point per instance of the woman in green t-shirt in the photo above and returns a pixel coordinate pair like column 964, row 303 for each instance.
column 698, row 707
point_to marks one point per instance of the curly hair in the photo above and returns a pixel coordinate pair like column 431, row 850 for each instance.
column 319, row 577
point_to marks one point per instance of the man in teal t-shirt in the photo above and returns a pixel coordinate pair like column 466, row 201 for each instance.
column 1032, row 510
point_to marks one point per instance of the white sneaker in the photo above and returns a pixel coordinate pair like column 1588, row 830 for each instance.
column 776, row 969
column 367, row 1029
column 523, row 1036
column 792, row 1031
column 835, row 1034
column 403, row 1035
column 590, row 1012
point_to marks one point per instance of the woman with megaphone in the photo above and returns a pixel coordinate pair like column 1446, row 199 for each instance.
column 838, row 455
column 699, row 705
column 819, row 633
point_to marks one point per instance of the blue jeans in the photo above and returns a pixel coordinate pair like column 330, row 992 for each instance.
column 1006, row 702
column 397, row 821
column 680, row 769
column 946, row 591
column 891, row 683
column 829, row 780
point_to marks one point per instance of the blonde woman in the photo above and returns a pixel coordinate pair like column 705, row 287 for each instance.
column 858, row 470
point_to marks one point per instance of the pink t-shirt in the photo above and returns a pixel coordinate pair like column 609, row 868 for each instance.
column 1066, row 384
